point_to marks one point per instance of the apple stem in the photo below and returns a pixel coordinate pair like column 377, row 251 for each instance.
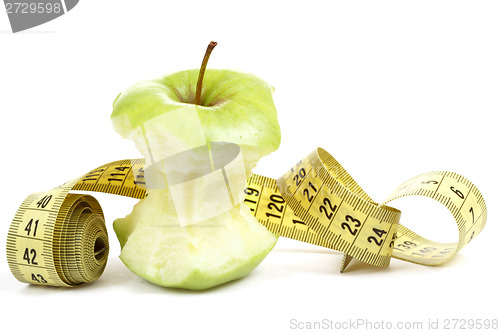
column 210, row 47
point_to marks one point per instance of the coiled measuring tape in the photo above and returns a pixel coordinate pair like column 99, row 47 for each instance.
column 59, row 238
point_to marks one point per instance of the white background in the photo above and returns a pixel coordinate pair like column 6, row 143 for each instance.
column 391, row 89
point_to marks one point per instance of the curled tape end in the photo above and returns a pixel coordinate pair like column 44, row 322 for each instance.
column 347, row 259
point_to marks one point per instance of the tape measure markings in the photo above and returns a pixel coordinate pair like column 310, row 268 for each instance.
column 451, row 203
column 130, row 185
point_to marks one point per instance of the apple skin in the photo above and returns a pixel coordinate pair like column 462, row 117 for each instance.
column 199, row 280
column 235, row 107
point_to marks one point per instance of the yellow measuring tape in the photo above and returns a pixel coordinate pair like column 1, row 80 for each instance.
column 59, row 238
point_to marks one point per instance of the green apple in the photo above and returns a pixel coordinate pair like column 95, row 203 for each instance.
column 234, row 107
column 179, row 112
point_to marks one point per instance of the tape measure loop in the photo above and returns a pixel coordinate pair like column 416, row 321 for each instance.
column 80, row 224
column 460, row 197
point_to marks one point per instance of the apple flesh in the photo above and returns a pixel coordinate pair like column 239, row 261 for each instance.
column 195, row 257
column 235, row 107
